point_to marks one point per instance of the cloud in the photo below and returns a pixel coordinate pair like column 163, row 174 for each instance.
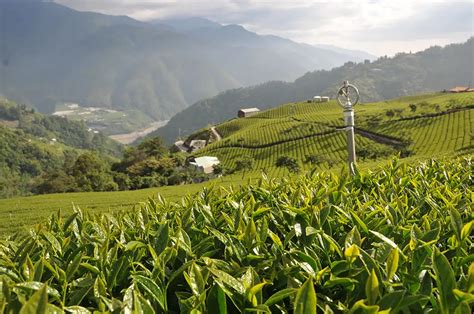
column 438, row 19
column 379, row 26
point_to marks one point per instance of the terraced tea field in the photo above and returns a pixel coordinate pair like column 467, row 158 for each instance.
column 421, row 126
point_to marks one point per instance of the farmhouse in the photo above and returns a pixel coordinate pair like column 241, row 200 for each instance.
column 247, row 112
column 204, row 164
column 179, row 146
column 188, row 147
column 195, row 145
column 320, row 99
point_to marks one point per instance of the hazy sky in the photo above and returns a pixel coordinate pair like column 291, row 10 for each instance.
column 381, row 27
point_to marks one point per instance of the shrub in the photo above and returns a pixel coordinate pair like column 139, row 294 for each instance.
column 390, row 113
column 397, row 240
column 289, row 162
column 244, row 164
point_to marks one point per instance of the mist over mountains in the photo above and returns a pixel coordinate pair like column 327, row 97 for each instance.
column 433, row 69
column 52, row 54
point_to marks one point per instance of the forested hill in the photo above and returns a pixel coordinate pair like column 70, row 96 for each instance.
column 51, row 54
column 74, row 134
column 433, row 69
column 33, row 145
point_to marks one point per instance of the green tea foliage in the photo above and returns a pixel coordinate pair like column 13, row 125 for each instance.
column 397, row 240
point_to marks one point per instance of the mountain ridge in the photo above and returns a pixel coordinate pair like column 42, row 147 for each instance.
column 57, row 54
column 433, row 69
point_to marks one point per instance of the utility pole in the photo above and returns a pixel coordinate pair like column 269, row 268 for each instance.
column 348, row 97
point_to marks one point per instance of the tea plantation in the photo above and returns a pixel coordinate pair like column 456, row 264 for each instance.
column 310, row 133
column 397, row 240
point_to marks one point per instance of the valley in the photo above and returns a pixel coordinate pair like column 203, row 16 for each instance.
column 129, row 138
column 156, row 68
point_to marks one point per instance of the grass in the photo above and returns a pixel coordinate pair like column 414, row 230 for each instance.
column 17, row 214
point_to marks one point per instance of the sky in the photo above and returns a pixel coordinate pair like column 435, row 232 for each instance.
column 380, row 27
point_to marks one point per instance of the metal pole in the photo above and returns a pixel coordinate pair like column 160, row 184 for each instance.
column 349, row 119
column 348, row 97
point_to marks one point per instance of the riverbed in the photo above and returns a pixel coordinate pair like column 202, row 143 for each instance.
column 128, row 138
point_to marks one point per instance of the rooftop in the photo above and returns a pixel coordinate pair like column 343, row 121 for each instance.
column 205, row 161
column 249, row 109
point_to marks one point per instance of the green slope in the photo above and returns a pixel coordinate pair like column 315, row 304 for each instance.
column 420, row 126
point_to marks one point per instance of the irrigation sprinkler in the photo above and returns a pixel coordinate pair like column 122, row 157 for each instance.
column 348, row 97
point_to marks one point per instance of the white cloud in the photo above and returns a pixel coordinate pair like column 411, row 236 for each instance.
column 378, row 26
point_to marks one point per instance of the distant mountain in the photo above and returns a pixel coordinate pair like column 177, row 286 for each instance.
column 405, row 74
column 51, row 54
column 250, row 56
column 356, row 53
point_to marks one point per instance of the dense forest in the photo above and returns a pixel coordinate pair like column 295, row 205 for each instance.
column 405, row 74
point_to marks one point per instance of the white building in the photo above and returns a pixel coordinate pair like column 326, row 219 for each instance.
column 205, row 163
column 320, row 99
column 247, row 112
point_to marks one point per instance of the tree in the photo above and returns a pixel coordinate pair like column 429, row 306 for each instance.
column 315, row 159
column 56, row 182
column 153, row 147
column 218, row 169
column 390, row 113
column 92, row 174
column 244, row 164
column 289, row 162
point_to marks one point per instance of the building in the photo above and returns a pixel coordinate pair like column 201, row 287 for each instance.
column 461, row 89
column 204, row 164
column 179, row 146
column 188, row 147
column 247, row 112
column 320, row 99
column 195, row 145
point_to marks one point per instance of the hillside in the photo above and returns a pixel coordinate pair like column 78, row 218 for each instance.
column 431, row 70
column 33, row 144
column 308, row 133
column 51, row 54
